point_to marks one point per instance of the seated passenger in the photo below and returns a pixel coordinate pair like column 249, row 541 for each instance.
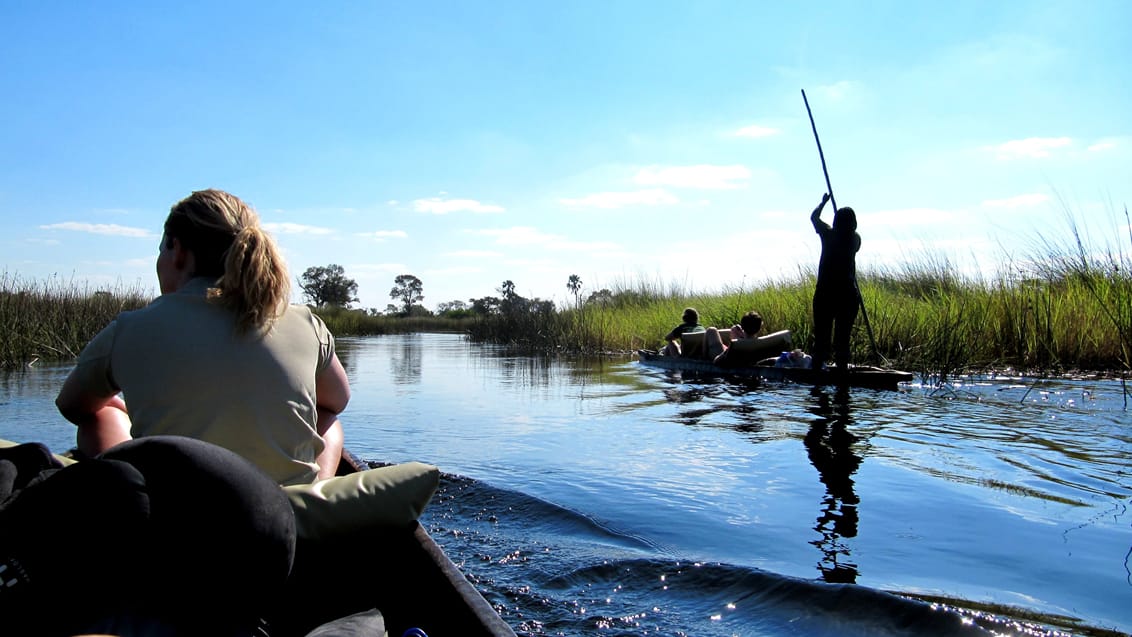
column 220, row 356
column 691, row 324
column 749, row 327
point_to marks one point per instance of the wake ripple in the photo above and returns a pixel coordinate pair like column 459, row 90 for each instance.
column 549, row 570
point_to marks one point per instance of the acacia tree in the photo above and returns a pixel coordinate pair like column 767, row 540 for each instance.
column 409, row 289
column 328, row 285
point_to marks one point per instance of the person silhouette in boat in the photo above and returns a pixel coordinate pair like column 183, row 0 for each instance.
column 836, row 296
column 691, row 323
column 720, row 353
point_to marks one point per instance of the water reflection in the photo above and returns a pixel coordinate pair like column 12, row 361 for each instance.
column 829, row 444
column 405, row 361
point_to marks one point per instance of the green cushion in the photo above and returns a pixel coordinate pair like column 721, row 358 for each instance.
column 386, row 496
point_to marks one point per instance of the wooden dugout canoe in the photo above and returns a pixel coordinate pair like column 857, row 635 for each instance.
column 402, row 572
column 854, row 376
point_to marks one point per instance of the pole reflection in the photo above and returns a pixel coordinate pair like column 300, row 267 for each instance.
column 829, row 444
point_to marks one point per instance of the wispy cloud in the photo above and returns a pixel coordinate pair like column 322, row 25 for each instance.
column 1105, row 144
column 441, row 206
column 757, row 131
column 703, row 176
column 473, row 254
column 286, row 227
column 111, row 229
column 840, row 90
column 1018, row 201
column 907, row 217
column 370, row 270
column 609, row 200
column 517, row 235
column 1031, row 147
column 382, row 235
column 527, row 236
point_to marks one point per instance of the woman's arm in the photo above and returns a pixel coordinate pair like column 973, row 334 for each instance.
column 332, row 394
column 815, row 216
column 102, row 420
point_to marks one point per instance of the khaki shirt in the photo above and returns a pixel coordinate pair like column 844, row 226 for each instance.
column 183, row 370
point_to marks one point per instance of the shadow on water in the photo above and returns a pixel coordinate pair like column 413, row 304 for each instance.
column 829, row 444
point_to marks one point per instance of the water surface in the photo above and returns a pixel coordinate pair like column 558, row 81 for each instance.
column 582, row 496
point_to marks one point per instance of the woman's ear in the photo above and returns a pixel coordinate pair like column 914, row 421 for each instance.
column 182, row 258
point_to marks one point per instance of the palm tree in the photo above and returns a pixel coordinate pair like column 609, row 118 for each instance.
column 575, row 286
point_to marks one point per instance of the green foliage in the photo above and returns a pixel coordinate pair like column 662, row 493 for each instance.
column 409, row 290
column 328, row 286
column 1066, row 308
column 346, row 322
column 54, row 320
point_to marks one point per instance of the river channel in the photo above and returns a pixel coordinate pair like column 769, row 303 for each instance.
column 604, row 496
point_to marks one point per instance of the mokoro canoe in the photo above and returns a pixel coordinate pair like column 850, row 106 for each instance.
column 855, row 376
column 402, row 572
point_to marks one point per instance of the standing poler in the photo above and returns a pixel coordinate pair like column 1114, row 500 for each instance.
column 836, row 297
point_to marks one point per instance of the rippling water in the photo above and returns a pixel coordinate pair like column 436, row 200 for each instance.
column 604, row 495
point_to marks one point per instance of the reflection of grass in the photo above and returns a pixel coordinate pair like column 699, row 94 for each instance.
column 54, row 319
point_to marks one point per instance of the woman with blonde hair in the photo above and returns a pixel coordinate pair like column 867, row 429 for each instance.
column 220, row 356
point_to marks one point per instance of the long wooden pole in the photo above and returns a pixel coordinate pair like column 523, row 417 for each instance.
column 829, row 189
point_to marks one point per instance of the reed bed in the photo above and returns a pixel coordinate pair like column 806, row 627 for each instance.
column 1067, row 308
column 347, row 322
column 54, row 319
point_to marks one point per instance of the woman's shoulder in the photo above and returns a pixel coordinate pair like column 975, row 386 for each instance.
column 303, row 314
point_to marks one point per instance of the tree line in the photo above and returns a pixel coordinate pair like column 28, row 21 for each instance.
column 328, row 286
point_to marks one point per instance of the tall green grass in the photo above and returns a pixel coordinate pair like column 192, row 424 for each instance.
column 347, row 322
column 54, row 319
column 1065, row 307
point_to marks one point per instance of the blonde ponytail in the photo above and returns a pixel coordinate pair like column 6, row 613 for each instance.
column 228, row 243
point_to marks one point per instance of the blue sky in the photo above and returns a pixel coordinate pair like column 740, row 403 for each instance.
column 468, row 143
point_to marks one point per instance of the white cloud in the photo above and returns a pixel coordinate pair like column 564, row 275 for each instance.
column 905, row 217
column 296, row 228
column 1031, row 147
column 518, row 235
column 112, row 229
column 473, row 254
column 607, row 200
column 1018, row 201
column 440, row 206
column 756, row 131
column 530, row 237
column 703, row 176
column 1102, row 145
column 840, row 90
column 370, row 270
column 385, row 234
column 465, row 269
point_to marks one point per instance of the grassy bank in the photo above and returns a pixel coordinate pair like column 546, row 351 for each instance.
column 54, row 319
column 343, row 322
column 1069, row 308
